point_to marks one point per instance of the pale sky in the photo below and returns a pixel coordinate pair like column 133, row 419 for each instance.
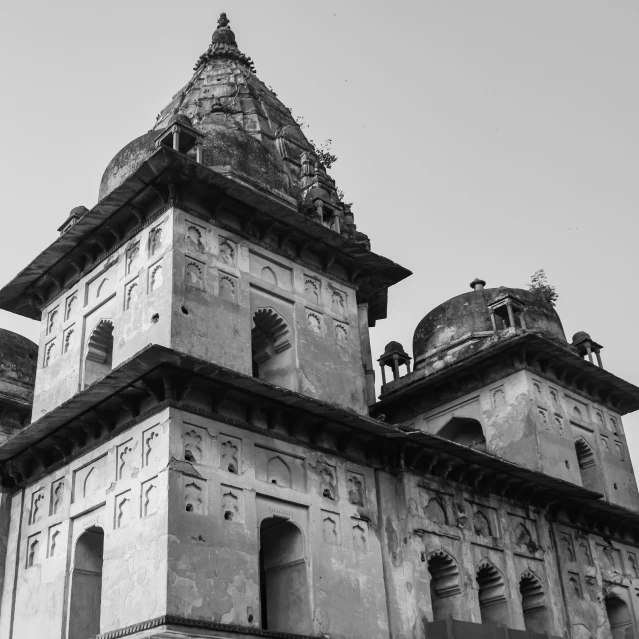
column 475, row 139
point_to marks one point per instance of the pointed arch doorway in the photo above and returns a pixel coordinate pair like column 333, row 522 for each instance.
column 284, row 578
column 85, row 594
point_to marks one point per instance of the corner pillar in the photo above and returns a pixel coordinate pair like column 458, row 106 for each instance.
column 367, row 358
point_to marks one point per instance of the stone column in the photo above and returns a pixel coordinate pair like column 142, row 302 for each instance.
column 367, row 358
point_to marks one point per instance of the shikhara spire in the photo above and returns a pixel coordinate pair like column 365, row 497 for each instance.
column 223, row 45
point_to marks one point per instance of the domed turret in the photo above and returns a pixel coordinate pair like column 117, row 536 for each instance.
column 483, row 311
column 247, row 130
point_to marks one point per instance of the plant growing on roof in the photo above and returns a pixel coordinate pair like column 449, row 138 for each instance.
column 539, row 285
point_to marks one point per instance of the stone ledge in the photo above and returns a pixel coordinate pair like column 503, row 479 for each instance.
column 203, row 624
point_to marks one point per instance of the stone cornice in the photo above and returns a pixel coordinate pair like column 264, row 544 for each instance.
column 170, row 177
column 416, row 392
column 173, row 620
column 159, row 377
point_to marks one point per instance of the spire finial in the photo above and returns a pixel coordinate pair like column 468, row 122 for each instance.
column 223, row 45
column 477, row 284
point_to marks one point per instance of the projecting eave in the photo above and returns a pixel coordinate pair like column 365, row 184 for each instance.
column 522, row 350
column 157, row 378
column 141, row 376
column 169, row 177
column 146, row 375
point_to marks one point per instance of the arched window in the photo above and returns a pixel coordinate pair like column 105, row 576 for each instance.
column 590, row 476
column 270, row 338
column 619, row 617
column 86, row 585
column 464, row 430
column 493, row 603
column 445, row 585
column 99, row 356
column 284, row 589
column 533, row 603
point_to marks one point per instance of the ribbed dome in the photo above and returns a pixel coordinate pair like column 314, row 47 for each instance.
column 468, row 313
column 247, row 129
column 18, row 359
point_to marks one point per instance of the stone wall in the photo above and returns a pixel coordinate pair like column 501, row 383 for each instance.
column 186, row 284
column 195, row 515
column 222, row 281
column 223, row 501
column 117, row 489
column 127, row 297
column 539, row 424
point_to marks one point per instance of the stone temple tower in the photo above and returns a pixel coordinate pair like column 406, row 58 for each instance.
column 206, row 456
column 201, row 326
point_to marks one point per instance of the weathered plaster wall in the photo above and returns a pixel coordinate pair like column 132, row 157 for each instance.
column 531, row 421
column 425, row 518
column 213, row 556
column 181, row 498
column 119, row 487
column 593, row 569
column 221, row 280
column 200, row 299
column 132, row 289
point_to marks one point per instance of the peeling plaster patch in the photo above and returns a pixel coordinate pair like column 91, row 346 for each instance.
column 110, row 488
column 183, row 467
column 185, row 594
column 321, row 619
column 579, row 631
column 243, row 592
column 392, row 541
column 307, row 387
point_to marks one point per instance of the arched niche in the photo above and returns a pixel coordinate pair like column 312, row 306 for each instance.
column 85, row 593
column 533, row 603
column 445, row 585
column 493, row 602
column 284, row 588
column 271, row 343
column 619, row 617
column 465, row 431
column 98, row 360
column 436, row 512
column 590, row 475
column 278, row 472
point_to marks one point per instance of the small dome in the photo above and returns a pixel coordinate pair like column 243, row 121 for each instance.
column 181, row 118
column 126, row 162
column 580, row 336
column 18, row 359
column 78, row 211
column 393, row 347
column 468, row 313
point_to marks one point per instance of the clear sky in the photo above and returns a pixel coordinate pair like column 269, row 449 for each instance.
column 475, row 139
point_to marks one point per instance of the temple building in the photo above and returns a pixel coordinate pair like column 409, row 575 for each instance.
column 195, row 448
